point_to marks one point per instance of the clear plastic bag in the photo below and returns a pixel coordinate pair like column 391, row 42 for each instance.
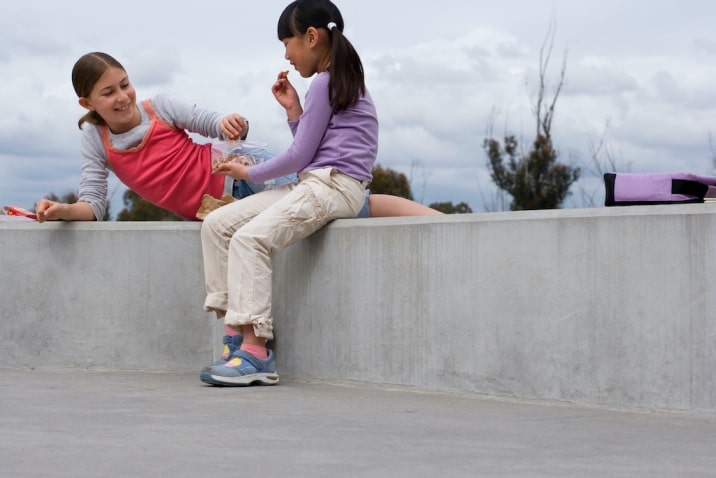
column 245, row 152
column 248, row 153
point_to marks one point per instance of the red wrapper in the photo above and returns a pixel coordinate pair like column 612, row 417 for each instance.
column 18, row 211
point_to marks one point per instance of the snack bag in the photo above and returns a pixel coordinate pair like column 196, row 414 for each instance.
column 246, row 152
column 249, row 153
column 209, row 203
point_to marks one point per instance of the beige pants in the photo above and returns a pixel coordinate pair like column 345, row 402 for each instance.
column 238, row 240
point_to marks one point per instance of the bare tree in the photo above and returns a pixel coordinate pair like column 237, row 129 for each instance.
column 545, row 113
column 713, row 152
column 534, row 179
column 416, row 165
column 602, row 159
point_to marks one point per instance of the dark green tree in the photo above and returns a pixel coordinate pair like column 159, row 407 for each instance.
column 388, row 181
column 535, row 180
column 450, row 208
column 138, row 209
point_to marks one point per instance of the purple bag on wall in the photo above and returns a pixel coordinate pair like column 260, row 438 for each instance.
column 633, row 189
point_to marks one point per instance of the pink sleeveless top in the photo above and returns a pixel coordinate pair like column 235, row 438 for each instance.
column 167, row 168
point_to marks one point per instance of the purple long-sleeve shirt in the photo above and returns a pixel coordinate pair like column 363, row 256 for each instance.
column 347, row 141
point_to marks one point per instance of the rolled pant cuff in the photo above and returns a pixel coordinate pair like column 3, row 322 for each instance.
column 216, row 301
column 263, row 327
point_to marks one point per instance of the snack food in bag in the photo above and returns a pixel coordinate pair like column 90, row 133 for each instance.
column 246, row 152
column 249, row 153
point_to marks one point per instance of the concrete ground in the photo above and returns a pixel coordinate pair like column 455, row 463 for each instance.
column 78, row 423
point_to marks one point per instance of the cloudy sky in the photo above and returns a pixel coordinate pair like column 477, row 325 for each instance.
column 640, row 80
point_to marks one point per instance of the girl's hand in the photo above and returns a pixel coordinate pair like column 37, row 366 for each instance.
column 233, row 169
column 287, row 96
column 47, row 210
column 234, row 126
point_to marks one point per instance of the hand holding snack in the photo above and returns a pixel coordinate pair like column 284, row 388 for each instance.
column 220, row 160
column 287, row 96
column 230, row 151
column 234, row 126
column 233, row 158
column 236, row 170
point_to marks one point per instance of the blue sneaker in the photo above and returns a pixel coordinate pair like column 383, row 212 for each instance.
column 231, row 345
column 243, row 369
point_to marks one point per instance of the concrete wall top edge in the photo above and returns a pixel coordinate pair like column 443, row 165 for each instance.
column 103, row 225
column 623, row 211
column 655, row 210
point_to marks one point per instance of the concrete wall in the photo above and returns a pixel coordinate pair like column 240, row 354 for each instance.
column 608, row 306
column 102, row 295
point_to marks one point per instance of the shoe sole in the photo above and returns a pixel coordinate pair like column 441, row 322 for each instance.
column 243, row 381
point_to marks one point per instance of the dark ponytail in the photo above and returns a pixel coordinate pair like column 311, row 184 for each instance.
column 91, row 117
column 347, row 76
column 347, row 83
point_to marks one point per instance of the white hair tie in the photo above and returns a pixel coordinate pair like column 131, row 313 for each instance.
column 331, row 26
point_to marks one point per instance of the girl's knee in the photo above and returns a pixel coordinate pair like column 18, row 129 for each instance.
column 208, row 225
column 244, row 240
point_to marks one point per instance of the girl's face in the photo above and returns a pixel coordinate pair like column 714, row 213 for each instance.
column 308, row 53
column 114, row 99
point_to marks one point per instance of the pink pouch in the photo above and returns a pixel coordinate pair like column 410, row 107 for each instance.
column 633, row 189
